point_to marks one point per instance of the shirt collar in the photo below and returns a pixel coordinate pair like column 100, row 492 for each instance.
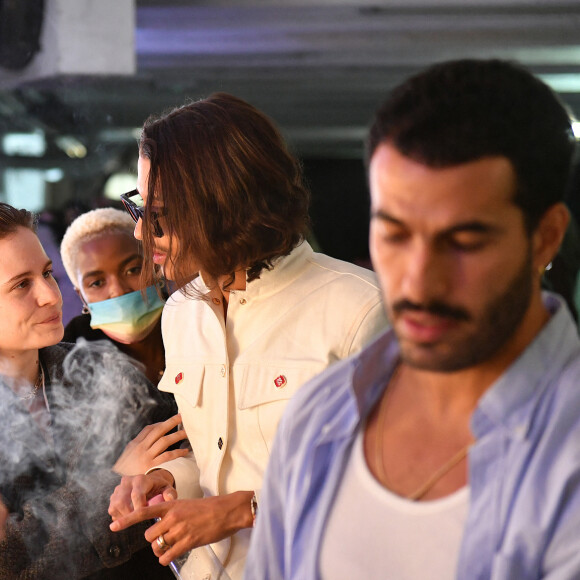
column 512, row 398
column 373, row 370
column 366, row 375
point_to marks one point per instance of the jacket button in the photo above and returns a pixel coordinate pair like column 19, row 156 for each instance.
column 242, row 301
column 216, row 301
column 114, row 551
column 220, row 443
column 223, row 370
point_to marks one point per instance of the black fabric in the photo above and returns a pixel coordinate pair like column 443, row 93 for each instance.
column 80, row 327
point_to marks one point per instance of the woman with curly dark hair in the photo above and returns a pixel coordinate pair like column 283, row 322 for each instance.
column 222, row 209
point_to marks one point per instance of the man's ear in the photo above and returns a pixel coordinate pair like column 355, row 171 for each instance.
column 549, row 234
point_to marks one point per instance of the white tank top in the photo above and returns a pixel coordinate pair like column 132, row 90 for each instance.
column 374, row 533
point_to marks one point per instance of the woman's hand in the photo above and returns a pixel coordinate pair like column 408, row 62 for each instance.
column 188, row 523
column 134, row 491
column 149, row 448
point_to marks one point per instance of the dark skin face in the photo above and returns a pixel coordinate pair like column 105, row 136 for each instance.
column 108, row 266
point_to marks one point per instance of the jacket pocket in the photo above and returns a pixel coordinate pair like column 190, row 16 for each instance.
column 264, row 394
column 184, row 380
column 261, row 384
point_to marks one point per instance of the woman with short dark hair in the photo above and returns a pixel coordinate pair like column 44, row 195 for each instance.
column 66, row 414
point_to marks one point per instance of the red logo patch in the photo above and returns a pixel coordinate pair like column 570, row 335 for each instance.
column 280, row 381
column 178, row 378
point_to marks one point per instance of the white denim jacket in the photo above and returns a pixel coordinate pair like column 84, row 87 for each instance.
column 232, row 380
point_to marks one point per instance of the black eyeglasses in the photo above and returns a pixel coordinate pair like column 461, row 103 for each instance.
column 138, row 211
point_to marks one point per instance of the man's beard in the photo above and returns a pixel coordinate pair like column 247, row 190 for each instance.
column 500, row 319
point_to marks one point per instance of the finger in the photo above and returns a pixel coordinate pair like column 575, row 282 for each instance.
column 142, row 434
column 176, row 550
column 175, row 420
column 176, row 436
column 156, row 549
column 163, row 427
column 168, row 456
column 155, row 530
column 120, row 502
column 164, row 442
column 119, row 510
column 140, row 515
column 142, row 486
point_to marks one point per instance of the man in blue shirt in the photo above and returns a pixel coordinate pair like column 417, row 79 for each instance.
column 449, row 447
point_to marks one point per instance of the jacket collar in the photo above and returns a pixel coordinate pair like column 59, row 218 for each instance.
column 284, row 271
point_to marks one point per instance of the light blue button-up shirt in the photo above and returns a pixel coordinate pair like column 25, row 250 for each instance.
column 524, row 469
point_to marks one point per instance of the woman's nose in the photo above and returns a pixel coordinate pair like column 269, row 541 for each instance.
column 49, row 293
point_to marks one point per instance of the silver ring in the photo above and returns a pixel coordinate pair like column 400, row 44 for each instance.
column 163, row 545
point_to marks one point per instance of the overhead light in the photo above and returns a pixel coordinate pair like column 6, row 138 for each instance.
column 121, row 135
column 25, row 188
column 53, row 175
column 576, row 129
column 24, row 144
column 119, row 183
column 71, row 146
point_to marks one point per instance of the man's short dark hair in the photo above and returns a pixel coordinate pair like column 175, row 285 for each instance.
column 460, row 111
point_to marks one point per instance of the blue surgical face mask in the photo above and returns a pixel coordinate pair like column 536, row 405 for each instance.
column 127, row 318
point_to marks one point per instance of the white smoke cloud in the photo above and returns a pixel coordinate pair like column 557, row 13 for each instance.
column 54, row 487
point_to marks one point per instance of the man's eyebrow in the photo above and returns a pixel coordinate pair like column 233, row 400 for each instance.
column 384, row 216
column 26, row 274
column 474, row 226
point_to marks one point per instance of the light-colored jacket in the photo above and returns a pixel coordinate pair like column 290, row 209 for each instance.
column 232, row 380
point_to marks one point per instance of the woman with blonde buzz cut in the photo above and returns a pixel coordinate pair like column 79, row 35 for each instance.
column 103, row 261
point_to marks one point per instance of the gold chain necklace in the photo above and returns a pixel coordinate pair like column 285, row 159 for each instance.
column 37, row 385
column 379, row 457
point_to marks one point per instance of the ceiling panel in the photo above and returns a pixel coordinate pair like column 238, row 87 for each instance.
column 318, row 69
